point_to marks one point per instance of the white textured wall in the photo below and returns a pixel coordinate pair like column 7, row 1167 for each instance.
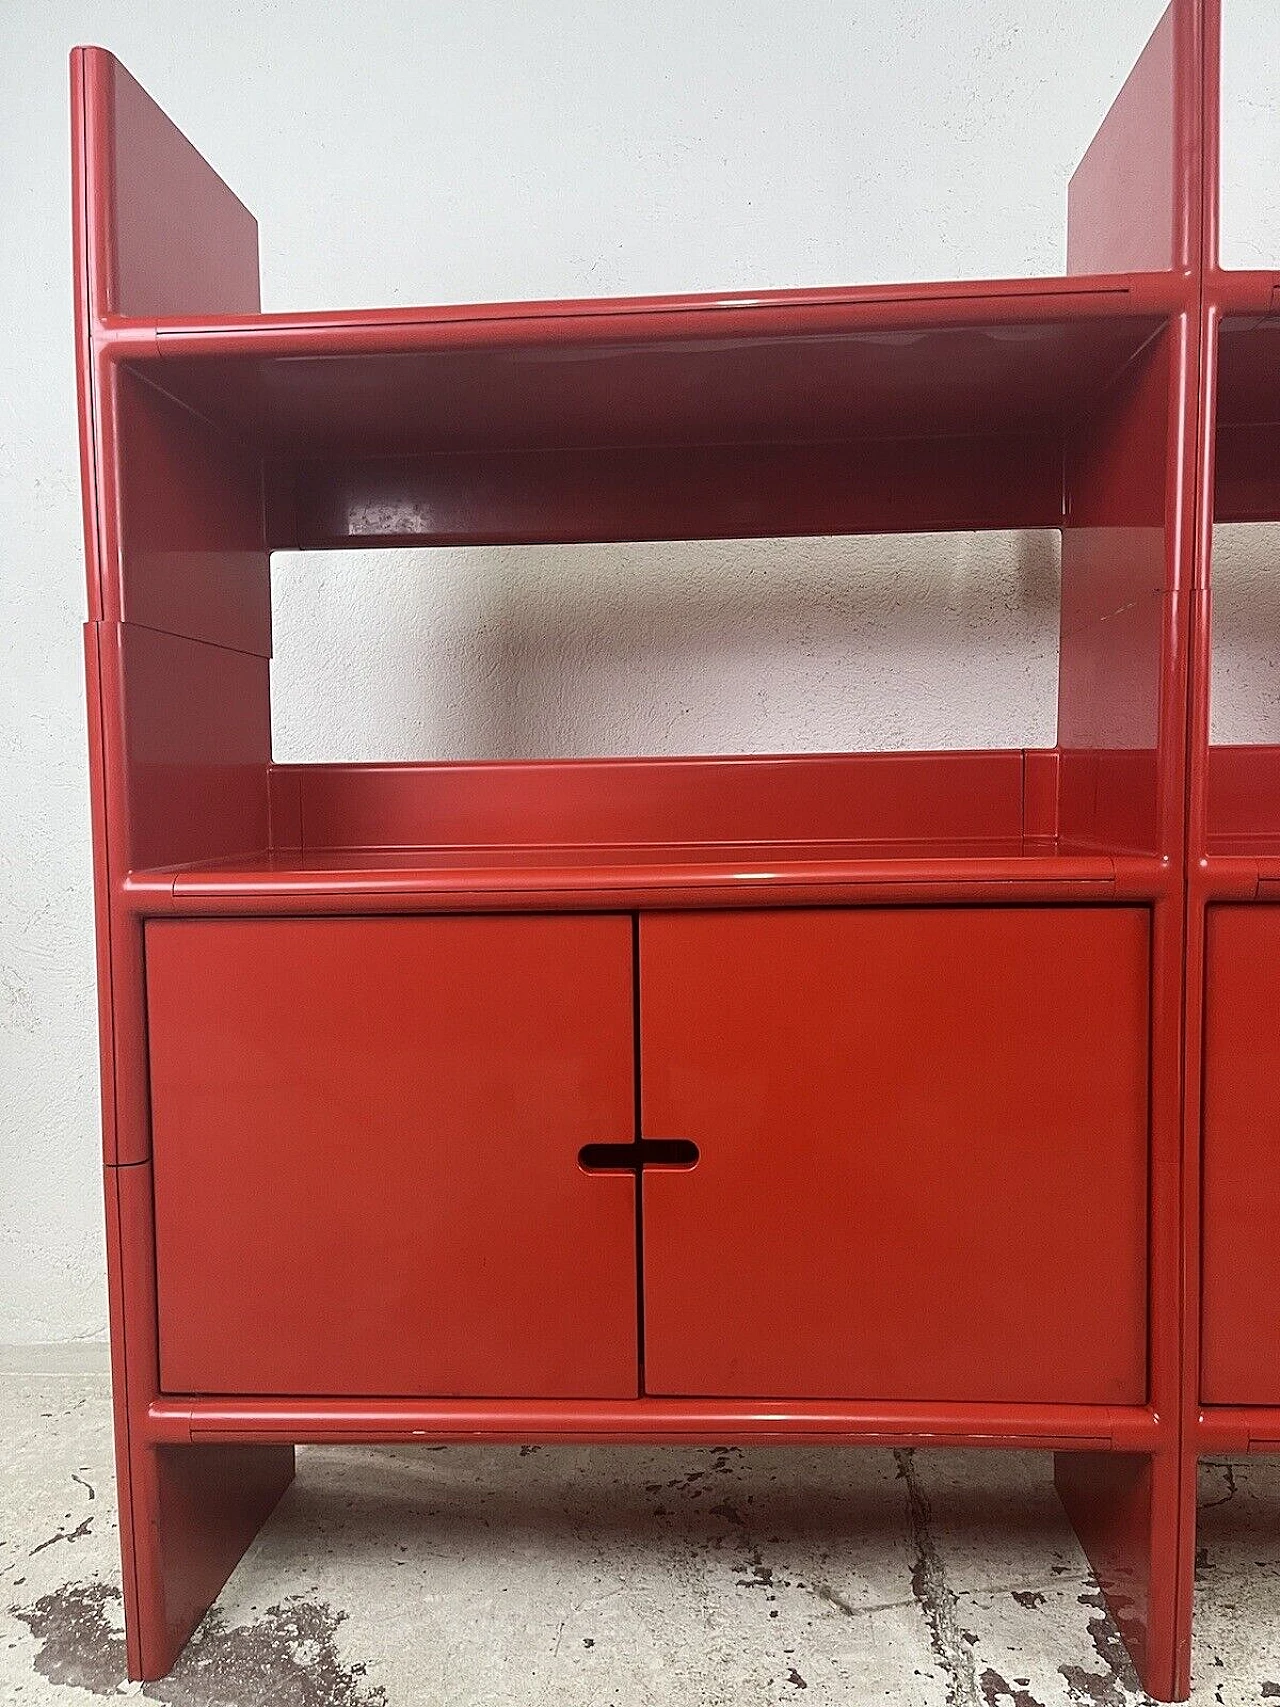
column 722, row 646
column 412, row 150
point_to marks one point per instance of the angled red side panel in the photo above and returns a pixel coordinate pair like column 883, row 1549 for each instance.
column 184, row 546
column 1124, row 1508
column 1133, row 204
column 186, row 1514
column 165, row 234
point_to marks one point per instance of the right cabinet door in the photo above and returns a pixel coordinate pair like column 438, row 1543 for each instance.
column 1240, row 1352
column 923, row 1153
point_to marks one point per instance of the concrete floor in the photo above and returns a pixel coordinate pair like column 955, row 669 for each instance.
column 440, row 1577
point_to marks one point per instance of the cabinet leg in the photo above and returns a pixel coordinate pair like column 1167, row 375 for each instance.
column 1126, row 1512
column 195, row 1510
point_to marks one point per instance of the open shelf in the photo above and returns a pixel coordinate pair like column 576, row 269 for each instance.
column 1237, row 829
column 1247, row 427
column 841, row 412
column 605, row 832
column 750, row 874
column 921, row 361
column 1242, row 847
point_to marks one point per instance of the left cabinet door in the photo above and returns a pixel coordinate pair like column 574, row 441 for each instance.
column 365, row 1137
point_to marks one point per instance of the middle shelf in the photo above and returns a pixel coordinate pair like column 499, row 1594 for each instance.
column 815, row 828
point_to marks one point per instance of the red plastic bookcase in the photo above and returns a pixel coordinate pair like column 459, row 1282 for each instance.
column 1232, row 1329
column 441, row 1100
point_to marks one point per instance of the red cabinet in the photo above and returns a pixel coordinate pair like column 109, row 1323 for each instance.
column 1240, row 1350
column 359, row 1022
column 366, row 1137
column 923, row 1138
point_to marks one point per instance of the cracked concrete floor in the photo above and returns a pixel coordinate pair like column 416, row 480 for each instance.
column 452, row 1577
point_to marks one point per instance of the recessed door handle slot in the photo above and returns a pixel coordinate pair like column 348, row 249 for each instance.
column 630, row 1158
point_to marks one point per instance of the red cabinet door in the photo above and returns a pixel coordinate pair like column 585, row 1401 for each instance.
column 366, row 1137
column 923, row 1153
column 1240, row 1351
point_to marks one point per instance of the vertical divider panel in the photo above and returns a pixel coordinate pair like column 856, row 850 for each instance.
column 1133, row 483
column 1197, row 768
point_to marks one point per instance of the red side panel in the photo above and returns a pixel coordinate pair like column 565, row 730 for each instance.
column 1133, row 199
column 366, row 1138
column 194, row 726
column 191, row 555
column 166, row 234
column 923, row 1141
column 1124, row 558
column 1240, row 1351
column 1124, row 1508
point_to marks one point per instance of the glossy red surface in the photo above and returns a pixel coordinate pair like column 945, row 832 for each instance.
column 793, row 798
column 897, row 1111
column 1125, row 1508
column 839, row 412
column 1240, row 1322
column 1128, row 203
column 1247, row 438
column 667, row 832
column 1230, row 1403
column 165, row 234
column 211, row 434
column 662, row 1421
column 649, row 493
column 393, row 1109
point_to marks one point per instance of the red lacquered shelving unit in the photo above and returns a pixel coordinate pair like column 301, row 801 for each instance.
column 440, row 1099
column 1232, row 1401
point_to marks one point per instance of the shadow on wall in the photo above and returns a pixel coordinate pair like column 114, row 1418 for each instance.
column 890, row 642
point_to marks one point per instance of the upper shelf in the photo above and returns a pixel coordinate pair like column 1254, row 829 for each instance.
column 876, row 409
column 918, row 361
column 168, row 260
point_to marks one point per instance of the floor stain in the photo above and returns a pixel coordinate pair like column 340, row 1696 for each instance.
column 79, row 1644
column 76, row 1534
column 997, row 1690
column 1228, row 1474
column 1117, row 1684
column 287, row 1658
column 823, row 1591
column 952, row 1644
